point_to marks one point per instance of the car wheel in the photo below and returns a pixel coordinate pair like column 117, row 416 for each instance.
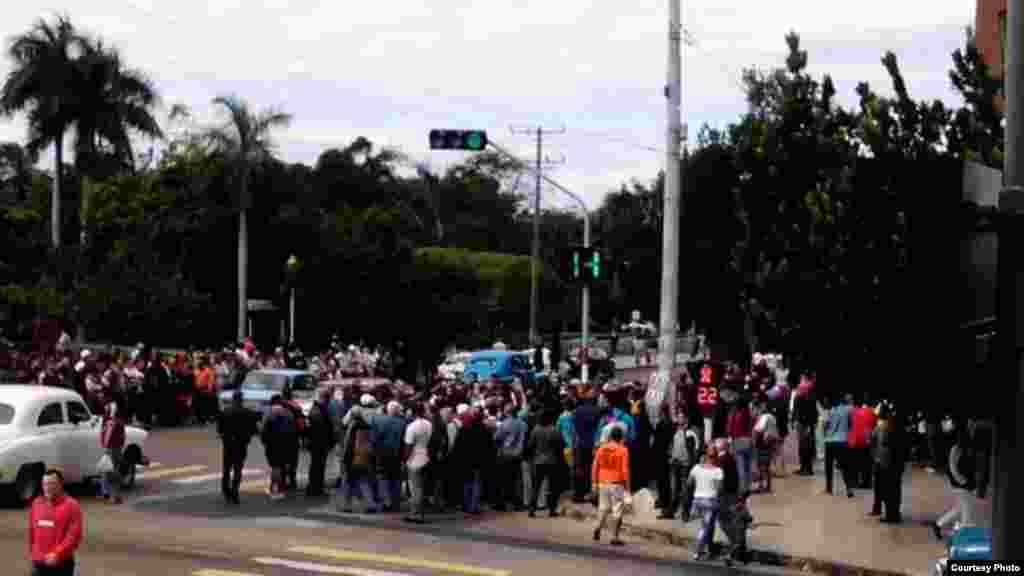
column 28, row 484
column 129, row 466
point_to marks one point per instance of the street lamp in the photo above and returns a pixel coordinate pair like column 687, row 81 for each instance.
column 293, row 266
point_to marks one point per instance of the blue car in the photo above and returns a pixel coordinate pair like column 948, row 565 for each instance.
column 260, row 386
column 503, row 365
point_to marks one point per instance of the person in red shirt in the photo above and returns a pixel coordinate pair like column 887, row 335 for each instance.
column 54, row 529
column 859, row 442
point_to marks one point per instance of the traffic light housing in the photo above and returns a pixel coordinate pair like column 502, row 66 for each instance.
column 472, row 140
column 585, row 265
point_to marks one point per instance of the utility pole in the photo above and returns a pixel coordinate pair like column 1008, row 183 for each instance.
column 1009, row 402
column 535, row 251
column 658, row 393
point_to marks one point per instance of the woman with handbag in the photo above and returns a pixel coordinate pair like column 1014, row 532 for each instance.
column 112, row 440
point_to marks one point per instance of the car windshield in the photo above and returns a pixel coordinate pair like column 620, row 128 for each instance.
column 488, row 363
column 265, row 381
column 6, row 414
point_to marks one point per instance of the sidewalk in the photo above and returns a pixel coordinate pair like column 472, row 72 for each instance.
column 802, row 528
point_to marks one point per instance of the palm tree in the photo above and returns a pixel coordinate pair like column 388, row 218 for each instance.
column 115, row 102
column 41, row 82
column 246, row 140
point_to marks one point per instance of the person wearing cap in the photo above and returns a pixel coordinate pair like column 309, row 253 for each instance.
column 236, row 427
column 357, row 456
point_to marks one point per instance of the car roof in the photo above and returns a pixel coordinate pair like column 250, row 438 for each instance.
column 283, row 371
column 22, row 394
column 483, row 354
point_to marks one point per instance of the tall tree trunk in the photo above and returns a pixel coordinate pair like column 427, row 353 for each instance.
column 243, row 271
column 55, row 220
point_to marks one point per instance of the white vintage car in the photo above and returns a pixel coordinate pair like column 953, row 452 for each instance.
column 43, row 427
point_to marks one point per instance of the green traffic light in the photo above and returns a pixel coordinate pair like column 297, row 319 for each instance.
column 595, row 265
column 575, row 264
column 475, row 141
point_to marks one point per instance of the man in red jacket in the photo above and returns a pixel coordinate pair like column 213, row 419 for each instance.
column 54, row 529
column 859, row 441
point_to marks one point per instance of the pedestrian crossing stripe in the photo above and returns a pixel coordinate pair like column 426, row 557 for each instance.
column 324, row 568
column 350, row 556
column 216, row 476
column 211, row 572
column 166, row 472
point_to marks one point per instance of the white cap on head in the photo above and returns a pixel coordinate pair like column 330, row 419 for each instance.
column 86, row 354
column 367, row 400
column 462, row 409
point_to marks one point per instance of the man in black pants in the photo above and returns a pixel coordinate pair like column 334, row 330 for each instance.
column 321, row 440
column 547, row 448
column 806, row 410
column 236, row 427
column 586, row 419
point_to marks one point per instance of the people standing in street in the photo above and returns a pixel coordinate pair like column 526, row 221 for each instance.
column 291, row 470
column 387, row 436
column 358, row 458
column 661, row 454
column 586, row 420
column 112, row 440
column 566, row 426
column 859, row 444
column 320, row 439
column 766, row 440
column 806, row 412
column 280, row 439
column 705, row 483
column 511, row 440
column 887, row 448
column 837, row 432
column 730, row 500
column 610, row 477
column 206, row 392
column 547, row 447
column 236, row 427
column 417, row 442
column 54, row 529
column 740, row 426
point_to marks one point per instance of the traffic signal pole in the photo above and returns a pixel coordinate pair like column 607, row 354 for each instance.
column 1008, row 441
column 585, row 369
column 661, row 386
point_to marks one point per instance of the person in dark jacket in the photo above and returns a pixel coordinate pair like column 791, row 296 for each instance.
column 474, row 452
column 586, row 418
column 547, row 448
column 320, row 437
column 806, row 415
column 236, row 427
column 386, row 437
column 661, row 450
column 729, row 502
column 888, row 452
column 280, row 440
column 155, row 380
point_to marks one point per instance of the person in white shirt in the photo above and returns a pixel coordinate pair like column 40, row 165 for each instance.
column 705, row 483
column 417, row 442
column 766, row 440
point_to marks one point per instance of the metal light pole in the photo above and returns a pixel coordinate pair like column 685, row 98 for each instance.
column 1008, row 441
column 535, row 248
column 586, row 243
column 670, row 223
column 293, row 267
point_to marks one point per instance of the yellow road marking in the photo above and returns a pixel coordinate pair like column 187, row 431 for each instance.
column 185, row 550
column 347, row 555
column 210, row 572
column 165, row 472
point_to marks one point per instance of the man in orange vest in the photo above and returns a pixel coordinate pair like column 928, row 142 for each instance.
column 610, row 481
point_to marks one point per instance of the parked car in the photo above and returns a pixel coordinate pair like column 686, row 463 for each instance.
column 967, row 543
column 260, row 386
column 504, row 366
column 454, row 365
column 43, row 427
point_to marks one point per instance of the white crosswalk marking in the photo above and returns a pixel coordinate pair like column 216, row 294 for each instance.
column 215, row 476
column 324, row 568
column 166, row 472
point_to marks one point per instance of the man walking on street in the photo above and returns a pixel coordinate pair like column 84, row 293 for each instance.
column 321, row 440
column 585, row 423
column 547, row 448
column 837, row 432
column 54, row 529
column 387, row 436
column 417, row 441
column 806, row 410
column 236, row 427
column 610, row 476
column 511, row 440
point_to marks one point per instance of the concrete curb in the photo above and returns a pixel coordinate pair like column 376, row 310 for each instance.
column 667, row 536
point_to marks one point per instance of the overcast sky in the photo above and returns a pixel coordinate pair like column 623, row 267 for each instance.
column 392, row 69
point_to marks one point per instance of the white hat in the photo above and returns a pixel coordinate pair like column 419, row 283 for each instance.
column 461, row 409
column 86, row 354
column 367, row 400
